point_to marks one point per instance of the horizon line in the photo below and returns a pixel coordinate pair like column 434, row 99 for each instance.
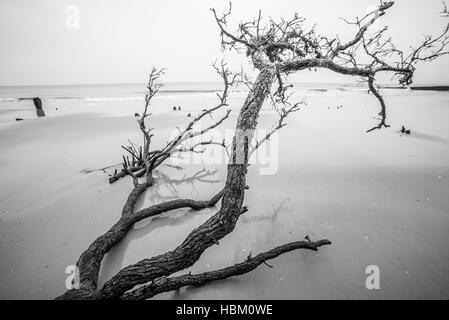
column 200, row 82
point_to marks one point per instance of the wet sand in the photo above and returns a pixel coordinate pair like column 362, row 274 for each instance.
column 381, row 198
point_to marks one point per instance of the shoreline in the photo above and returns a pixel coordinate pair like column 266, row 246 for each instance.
column 419, row 88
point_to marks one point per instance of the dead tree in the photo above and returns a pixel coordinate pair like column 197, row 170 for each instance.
column 143, row 160
column 284, row 47
column 276, row 49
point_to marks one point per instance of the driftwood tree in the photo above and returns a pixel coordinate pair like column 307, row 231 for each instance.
column 143, row 160
column 276, row 49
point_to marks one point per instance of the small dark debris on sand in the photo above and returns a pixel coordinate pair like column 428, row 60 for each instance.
column 404, row 131
column 19, row 119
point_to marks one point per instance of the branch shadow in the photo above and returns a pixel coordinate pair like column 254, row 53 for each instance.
column 427, row 137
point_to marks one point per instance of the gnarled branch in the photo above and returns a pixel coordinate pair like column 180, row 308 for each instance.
column 165, row 284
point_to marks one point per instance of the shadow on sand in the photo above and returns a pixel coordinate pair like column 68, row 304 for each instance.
column 427, row 137
column 113, row 260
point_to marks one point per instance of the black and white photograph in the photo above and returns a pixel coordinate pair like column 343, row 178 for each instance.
column 219, row 150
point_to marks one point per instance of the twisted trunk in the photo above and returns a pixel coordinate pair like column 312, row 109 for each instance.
column 219, row 225
column 208, row 234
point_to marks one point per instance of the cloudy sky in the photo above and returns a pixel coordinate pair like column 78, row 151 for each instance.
column 118, row 41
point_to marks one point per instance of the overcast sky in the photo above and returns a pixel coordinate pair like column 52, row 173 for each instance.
column 118, row 41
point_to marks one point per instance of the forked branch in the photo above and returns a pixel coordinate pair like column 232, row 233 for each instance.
column 287, row 46
column 143, row 160
column 166, row 284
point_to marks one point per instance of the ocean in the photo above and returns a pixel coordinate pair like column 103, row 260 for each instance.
column 136, row 91
column 125, row 99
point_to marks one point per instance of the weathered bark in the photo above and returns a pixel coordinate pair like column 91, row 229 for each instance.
column 215, row 228
column 208, row 234
column 139, row 172
column 205, row 236
column 383, row 111
column 89, row 262
column 165, row 284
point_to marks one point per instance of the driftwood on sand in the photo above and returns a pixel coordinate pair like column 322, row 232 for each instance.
column 276, row 50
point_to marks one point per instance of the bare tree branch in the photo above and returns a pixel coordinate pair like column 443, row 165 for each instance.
column 288, row 47
column 165, row 284
column 277, row 49
column 146, row 160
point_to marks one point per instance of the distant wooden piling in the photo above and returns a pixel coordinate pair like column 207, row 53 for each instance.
column 38, row 104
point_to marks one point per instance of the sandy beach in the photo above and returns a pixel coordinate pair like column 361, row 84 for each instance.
column 382, row 198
